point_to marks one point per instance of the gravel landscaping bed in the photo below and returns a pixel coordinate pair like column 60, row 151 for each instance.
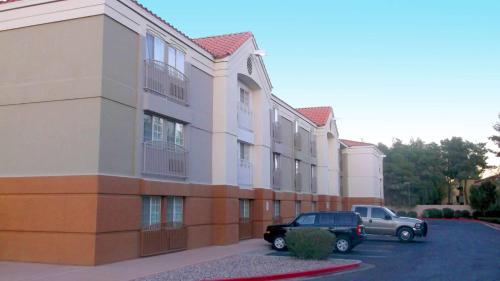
column 241, row 266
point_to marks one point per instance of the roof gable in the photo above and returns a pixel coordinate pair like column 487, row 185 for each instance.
column 221, row 46
column 351, row 143
column 318, row 115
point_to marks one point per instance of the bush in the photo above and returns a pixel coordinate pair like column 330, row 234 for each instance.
column 457, row 214
column 476, row 214
column 401, row 213
column 310, row 243
column 433, row 213
column 447, row 213
column 492, row 214
column 484, row 196
column 412, row 214
column 465, row 214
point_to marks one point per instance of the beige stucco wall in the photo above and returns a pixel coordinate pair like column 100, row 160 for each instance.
column 49, row 98
column 362, row 172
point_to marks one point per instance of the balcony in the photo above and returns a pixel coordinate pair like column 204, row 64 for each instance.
column 314, row 185
column 245, row 174
column 164, row 159
column 163, row 79
column 297, row 141
column 298, row 182
column 276, row 132
column 244, row 116
column 276, row 179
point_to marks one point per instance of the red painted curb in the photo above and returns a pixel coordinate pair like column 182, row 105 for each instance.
column 289, row 275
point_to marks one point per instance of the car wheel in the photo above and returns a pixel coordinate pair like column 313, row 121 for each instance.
column 342, row 244
column 279, row 243
column 405, row 234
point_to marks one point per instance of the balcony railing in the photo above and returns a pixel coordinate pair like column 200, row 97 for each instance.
column 298, row 141
column 245, row 174
column 164, row 159
column 298, row 182
column 161, row 238
column 276, row 131
column 314, row 185
column 165, row 80
column 276, row 179
column 244, row 116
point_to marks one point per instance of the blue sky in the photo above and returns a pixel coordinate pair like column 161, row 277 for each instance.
column 390, row 69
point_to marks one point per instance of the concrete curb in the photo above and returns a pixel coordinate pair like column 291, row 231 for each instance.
column 297, row 274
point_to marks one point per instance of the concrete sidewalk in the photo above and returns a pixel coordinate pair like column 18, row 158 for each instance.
column 126, row 270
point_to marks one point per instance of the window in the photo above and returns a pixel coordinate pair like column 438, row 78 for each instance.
column 306, row 220
column 314, row 207
column 363, row 211
column 378, row 213
column 244, row 96
column 326, row 219
column 297, row 208
column 155, row 48
column 175, row 211
column 244, row 210
column 296, row 125
column 276, row 116
column 151, row 210
column 276, row 161
column 244, row 151
column 176, row 59
column 160, row 129
column 277, row 209
column 297, row 167
column 313, row 171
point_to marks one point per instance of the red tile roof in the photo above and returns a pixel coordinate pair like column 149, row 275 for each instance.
column 351, row 143
column 221, row 46
column 318, row 115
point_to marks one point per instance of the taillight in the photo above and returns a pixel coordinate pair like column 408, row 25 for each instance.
column 358, row 230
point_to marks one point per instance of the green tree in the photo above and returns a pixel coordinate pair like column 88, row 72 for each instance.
column 483, row 196
column 496, row 138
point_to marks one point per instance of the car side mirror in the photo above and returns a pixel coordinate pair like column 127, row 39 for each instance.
column 387, row 217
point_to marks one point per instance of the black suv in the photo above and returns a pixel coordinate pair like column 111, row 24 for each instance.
column 347, row 226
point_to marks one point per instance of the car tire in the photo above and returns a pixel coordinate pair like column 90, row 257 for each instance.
column 343, row 244
column 279, row 243
column 405, row 234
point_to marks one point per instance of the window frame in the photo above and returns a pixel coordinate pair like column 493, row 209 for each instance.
column 161, row 130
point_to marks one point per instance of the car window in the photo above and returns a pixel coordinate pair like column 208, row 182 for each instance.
column 306, row 220
column 378, row 213
column 363, row 211
column 326, row 219
column 343, row 219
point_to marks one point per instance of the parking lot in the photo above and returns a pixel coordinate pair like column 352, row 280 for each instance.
column 452, row 251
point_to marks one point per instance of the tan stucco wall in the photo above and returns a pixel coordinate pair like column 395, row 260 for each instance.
column 67, row 101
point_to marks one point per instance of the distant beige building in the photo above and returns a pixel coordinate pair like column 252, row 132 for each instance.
column 362, row 173
column 123, row 137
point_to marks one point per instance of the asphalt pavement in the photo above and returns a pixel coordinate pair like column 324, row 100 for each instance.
column 453, row 250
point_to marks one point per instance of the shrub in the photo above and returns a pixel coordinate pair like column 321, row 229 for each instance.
column 412, row 214
column 457, row 214
column 465, row 214
column 310, row 243
column 483, row 197
column 492, row 214
column 447, row 213
column 433, row 213
column 476, row 214
column 401, row 213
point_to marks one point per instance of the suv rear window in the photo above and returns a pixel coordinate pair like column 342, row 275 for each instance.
column 326, row 219
column 345, row 219
column 363, row 211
